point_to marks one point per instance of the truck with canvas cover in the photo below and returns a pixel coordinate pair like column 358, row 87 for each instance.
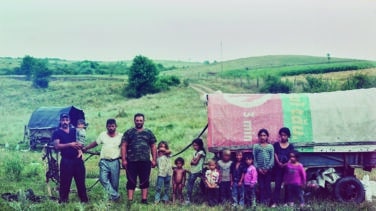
column 334, row 131
column 45, row 120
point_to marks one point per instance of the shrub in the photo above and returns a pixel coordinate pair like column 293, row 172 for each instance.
column 274, row 84
column 318, row 84
column 357, row 81
column 164, row 82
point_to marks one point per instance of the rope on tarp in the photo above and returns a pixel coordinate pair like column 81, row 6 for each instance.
column 189, row 145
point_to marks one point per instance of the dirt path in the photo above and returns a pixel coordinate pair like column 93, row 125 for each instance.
column 201, row 89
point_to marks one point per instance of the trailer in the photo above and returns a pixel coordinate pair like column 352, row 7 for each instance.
column 333, row 131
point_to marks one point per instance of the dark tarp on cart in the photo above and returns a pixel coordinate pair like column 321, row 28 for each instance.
column 45, row 120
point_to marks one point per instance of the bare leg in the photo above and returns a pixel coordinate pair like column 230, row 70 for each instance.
column 173, row 193
column 144, row 193
column 130, row 194
column 180, row 192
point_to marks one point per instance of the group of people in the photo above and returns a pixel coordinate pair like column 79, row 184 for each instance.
column 223, row 180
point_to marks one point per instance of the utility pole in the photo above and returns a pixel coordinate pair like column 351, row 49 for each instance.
column 221, row 57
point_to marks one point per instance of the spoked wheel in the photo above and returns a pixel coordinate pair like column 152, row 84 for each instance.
column 349, row 189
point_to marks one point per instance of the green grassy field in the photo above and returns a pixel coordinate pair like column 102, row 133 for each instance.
column 176, row 116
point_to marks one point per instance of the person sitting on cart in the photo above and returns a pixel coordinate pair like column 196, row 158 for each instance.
column 109, row 164
column 71, row 166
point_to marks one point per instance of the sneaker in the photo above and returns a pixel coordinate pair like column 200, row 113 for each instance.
column 234, row 205
column 273, row 205
column 291, row 204
column 144, row 201
column 187, row 202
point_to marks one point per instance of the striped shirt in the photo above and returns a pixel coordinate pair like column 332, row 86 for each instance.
column 264, row 156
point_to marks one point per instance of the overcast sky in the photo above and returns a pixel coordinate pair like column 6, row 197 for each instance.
column 191, row 30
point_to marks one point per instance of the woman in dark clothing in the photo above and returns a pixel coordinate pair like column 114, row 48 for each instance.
column 282, row 151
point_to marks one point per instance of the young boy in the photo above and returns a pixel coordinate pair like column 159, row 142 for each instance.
column 237, row 172
column 81, row 134
column 294, row 179
column 178, row 180
column 250, row 181
column 211, row 181
column 224, row 169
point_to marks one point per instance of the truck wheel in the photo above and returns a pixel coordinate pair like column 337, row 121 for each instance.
column 349, row 189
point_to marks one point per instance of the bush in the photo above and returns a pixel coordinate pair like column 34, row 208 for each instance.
column 274, row 84
column 318, row 84
column 164, row 82
column 357, row 81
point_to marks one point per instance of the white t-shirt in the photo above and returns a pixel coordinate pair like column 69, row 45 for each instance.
column 110, row 145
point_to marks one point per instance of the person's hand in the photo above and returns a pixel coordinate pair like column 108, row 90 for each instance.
column 240, row 184
column 76, row 145
column 124, row 164
column 153, row 163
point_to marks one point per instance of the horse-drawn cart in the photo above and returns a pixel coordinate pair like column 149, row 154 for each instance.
column 334, row 131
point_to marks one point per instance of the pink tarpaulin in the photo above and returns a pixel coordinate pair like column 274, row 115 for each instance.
column 343, row 118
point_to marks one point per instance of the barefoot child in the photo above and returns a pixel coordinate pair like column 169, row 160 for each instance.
column 211, row 181
column 164, row 172
column 294, row 179
column 250, row 181
column 80, row 134
column 178, row 180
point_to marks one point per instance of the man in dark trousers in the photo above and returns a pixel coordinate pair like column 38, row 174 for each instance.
column 137, row 145
column 71, row 166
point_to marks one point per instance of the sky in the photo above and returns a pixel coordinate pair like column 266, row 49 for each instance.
column 187, row 30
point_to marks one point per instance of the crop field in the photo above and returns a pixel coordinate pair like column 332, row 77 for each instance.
column 177, row 116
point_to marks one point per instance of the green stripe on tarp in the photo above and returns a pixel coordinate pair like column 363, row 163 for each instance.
column 297, row 116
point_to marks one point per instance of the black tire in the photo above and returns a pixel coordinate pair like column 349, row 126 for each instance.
column 349, row 189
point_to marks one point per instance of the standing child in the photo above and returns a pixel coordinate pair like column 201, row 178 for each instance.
column 211, row 181
column 237, row 172
column 80, row 135
column 294, row 179
column 264, row 160
column 282, row 150
column 178, row 180
column 225, row 184
column 250, row 181
column 164, row 172
column 196, row 166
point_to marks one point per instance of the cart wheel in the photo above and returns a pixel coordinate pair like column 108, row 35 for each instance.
column 349, row 189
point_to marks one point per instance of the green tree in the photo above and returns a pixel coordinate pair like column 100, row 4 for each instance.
column 142, row 77
column 274, row 84
column 40, row 74
column 26, row 66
